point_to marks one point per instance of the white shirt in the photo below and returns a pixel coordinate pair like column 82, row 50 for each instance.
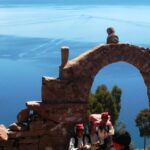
column 94, row 138
column 80, row 143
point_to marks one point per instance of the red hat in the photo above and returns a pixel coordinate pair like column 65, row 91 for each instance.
column 79, row 126
column 105, row 115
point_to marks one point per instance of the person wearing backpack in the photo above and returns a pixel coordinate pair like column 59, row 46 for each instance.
column 93, row 135
column 80, row 141
column 105, row 131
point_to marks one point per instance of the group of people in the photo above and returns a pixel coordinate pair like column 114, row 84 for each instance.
column 101, row 135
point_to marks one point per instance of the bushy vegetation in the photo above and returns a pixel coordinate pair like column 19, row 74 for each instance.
column 104, row 100
column 143, row 123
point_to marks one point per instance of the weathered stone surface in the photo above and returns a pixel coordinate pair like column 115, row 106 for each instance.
column 29, row 141
column 33, row 104
column 28, row 147
column 10, row 148
column 3, row 133
column 23, row 115
column 8, row 143
column 14, row 127
column 26, row 134
column 51, row 143
column 36, row 125
column 146, row 77
column 67, row 91
column 45, row 142
column 59, row 113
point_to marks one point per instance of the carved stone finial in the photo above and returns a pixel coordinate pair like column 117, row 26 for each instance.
column 112, row 37
column 64, row 58
column 64, row 55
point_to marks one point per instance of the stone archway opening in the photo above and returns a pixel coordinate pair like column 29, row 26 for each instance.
column 83, row 69
column 134, row 95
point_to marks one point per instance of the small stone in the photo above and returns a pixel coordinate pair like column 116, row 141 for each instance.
column 3, row 133
column 33, row 105
column 14, row 127
column 23, row 115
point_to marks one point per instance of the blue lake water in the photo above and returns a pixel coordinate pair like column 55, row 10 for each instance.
column 30, row 40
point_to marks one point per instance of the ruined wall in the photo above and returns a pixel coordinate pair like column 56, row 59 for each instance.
column 48, row 125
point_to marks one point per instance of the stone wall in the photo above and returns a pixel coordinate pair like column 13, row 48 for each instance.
column 42, row 126
column 48, row 124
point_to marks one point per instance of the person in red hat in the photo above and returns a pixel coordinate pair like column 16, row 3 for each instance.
column 105, row 130
column 93, row 134
column 80, row 141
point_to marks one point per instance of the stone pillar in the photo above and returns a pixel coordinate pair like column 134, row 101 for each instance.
column 64, row 58
column 146, row 76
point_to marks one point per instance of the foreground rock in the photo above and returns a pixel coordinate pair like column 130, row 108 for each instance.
column 3, row 133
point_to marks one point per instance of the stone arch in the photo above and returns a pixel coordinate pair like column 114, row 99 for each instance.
column 85, row 67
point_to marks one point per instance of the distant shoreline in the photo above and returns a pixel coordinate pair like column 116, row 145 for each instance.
column 9, row 5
